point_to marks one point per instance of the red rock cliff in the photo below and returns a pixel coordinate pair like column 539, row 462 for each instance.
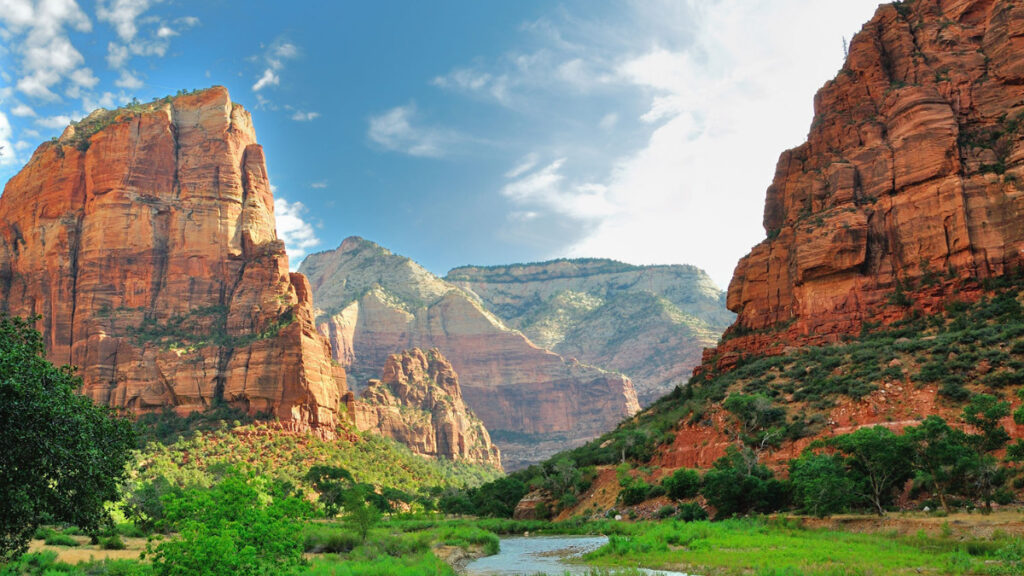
column 418, row 402
column 145, row 238
column 911, row 178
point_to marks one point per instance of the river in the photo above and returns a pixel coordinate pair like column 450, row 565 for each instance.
column 542, row 554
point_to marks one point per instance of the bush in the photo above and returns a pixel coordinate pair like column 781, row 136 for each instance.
column 318, row 540
column 691, row 512
column 682, row 484
column 665, row 511
column 58, row 539
column 112, row 543
column 820, row 484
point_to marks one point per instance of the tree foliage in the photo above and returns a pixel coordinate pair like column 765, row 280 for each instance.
column 239, row 526
column 61, row 456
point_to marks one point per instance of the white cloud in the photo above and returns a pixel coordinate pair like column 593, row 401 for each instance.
column 59, row 121
column 81, row 79
column 547, row 189
column 38, row 34
column 395, row 130
column 23, row 111
column 725, row 94
column 7, row 155
column 320, row 185
column 128, row 81
column 125, row 17
column 300, row 116
column 22, row 145
column 524, row 165
column 122, row 14
column 722, row 112
column 269, row 78
column 274, row 58
column 299, row 236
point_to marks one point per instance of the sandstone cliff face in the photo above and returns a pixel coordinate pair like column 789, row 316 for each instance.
column 648, row 322
column 534, row 402
column 145, row 238
column 910, row 178
column 418, row 402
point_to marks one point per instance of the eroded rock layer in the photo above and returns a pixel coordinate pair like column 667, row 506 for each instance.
column 910, row 180
column 145, row 239
column 534, row 402
column 418, row 402
column 648, row 322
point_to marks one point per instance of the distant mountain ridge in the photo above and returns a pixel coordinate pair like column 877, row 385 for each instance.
column 373, row 303
column 648, row 322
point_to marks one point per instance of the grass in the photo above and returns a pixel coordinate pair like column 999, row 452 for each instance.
column 748, row 546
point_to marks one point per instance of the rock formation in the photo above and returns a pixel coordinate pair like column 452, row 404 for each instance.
column 534, row 402
column 648, row 322
column 418, row 402
column 910, row 179
column 145, row 239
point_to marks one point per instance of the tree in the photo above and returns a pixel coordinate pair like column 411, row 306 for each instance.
column 820, row 484
column 61, row 456
column 738, row 484
column 238, row 526
column 682, row 484
column 332, row 482
column 984, row 412
column 360, row 515
column 944, row 456
column 881, row 458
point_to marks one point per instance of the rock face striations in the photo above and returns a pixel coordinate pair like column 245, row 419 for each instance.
column 145, row 239
column 648, row 322
column 418, row 402
column 533, row 401
column 911, row 178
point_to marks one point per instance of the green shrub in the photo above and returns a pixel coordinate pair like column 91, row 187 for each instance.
column 682, row 484
column 691, row 512
column 112, row 543
column 58, row 539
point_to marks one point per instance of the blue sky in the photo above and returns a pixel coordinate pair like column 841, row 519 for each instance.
column 456, row 132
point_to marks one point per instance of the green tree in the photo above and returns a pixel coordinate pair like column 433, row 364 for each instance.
column 360, row 515
column 682, row 484
column 239, row 526
column 738, row 484
column 984, row 412
column 882, row 460
column 61, row 456
column 944, row 456
column 820, row 484
column 755, row 416
column 331, row 482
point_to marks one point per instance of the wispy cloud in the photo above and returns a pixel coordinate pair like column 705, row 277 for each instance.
column 682, row 91
column 7, row 155
column 299, row 236
column 37, row 32
column 320, row 185
column 23, row 111
column 59, row 121
column 398, row 130
column 126, row 18
column 300, row 116
column 274, row 58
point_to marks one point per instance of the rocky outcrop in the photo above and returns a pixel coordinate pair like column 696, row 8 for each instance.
column 648, row 322
column 145, row 239
column 534, row 402
column 417, row 401
column 910, row 180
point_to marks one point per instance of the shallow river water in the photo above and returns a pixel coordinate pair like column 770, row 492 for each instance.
column 541, row 554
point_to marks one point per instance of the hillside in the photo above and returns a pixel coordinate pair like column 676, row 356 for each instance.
column 534, row 402
column 648, row 322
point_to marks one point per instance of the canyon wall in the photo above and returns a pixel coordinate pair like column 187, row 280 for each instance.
column 534, row 402
column 418, row 401
column 648, row 322
column 910, row 180
column 145, row 240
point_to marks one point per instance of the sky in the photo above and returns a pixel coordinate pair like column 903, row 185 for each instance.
column 458, row 132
